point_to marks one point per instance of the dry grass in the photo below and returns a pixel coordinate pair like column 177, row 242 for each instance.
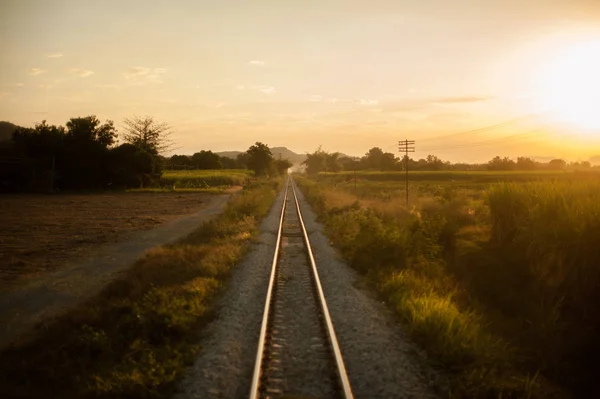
column 135, row 339
column 479, row 307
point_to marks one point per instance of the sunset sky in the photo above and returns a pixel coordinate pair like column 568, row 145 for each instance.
column 347, row 75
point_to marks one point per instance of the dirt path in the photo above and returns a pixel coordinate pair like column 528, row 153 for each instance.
column 49, row 295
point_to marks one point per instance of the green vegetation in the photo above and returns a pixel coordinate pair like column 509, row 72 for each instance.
column 190, row 179
column 378, row 160
column 498, row 281
column 82, row 155
column 258, row 158
column 135, row 338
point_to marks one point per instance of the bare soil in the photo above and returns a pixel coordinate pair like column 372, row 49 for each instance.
column 42, row 233
column 58, row 251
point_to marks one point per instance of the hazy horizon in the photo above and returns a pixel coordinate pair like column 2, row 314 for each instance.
column 347, row 75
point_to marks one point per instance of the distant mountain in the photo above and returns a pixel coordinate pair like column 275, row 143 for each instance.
column 284, row 152
column 6, row 130
column 229, row 154
column 290, row 155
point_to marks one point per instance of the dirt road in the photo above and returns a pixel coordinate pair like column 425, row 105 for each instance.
column 49, row 294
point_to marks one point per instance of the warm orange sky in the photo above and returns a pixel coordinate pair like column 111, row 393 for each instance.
column 347, row 75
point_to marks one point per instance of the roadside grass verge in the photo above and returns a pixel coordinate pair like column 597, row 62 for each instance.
column 468, row 302
column 136, row 338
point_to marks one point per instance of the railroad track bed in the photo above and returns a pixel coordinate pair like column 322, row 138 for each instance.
column 380, row 361
column 297, row 355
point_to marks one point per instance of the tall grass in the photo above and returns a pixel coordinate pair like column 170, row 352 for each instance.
column 553, row 230
column 455, row 270
column 456, row 176
column 136, row 338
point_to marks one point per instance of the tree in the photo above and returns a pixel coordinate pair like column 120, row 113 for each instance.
column 149, row 135
column 40, row 142
column 231, row 163
column 332, row 162
column 91, row 130
column 557, row 164
column 84, row 159
column 348, row 163
column 498, row 164
column 206, row 160
column 178, row 162
column 259, row 158
column 322, row 161
column 131, row 166
column 41, row 145
column 524, row 163
column 434, row 163
column 242, row 159
column 282, row 165
column 376, row 158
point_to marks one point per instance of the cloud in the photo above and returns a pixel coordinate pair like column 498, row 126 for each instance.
column 55, row 55
column 4, row 94
column 84, row 73
column 367, row 102
column 107, row 86
column 257, row 63
column 461, row 100
column 317, row 98
column 51, row 85
column 142, row 75
column 265, row 89
column 36, row 71
column 240, row 87
column 83, row 97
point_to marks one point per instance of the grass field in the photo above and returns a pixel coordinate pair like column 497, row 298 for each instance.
column 202, row 179
column 136, row 338
column 494, row 274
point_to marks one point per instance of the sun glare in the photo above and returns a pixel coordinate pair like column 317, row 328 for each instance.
column 571, row 87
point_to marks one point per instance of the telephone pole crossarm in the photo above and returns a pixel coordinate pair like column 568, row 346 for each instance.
column 406, row 146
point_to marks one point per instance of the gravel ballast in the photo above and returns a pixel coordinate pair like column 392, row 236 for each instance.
column 380, row 361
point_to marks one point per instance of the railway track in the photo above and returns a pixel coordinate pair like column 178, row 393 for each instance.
column 298, row 355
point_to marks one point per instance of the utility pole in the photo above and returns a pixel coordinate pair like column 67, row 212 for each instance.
column 406, row 146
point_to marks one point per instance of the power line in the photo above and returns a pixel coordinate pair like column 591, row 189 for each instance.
column 483, row 129
column 490, row 142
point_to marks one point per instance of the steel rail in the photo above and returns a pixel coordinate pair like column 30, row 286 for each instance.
column 265, row 321
column 337, row 353
column 331, row 335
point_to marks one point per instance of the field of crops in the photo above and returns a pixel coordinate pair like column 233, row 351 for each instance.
column 203, row 179
column 495, row 274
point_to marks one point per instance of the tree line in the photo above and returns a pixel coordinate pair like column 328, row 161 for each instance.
column 377, row 159
column 204, row 160
column 85, row 154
